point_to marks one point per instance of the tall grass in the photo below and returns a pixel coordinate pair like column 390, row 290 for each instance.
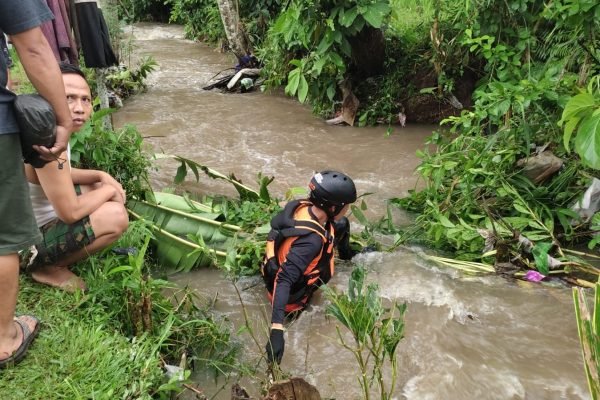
column 588, row 327
column 376, row 332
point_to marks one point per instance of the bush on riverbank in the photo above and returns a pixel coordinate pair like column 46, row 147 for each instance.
column 478, row 195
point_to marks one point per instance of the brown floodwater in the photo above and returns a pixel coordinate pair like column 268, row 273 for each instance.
column 466, row 337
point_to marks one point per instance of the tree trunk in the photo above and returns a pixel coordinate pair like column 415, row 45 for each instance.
column 103, row 95
column 233, row 28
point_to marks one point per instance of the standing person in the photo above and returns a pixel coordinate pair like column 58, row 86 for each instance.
column 78, row 211
column 299, row 255
column 20, row 19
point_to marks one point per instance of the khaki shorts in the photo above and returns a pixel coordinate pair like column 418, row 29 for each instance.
column 18, row 229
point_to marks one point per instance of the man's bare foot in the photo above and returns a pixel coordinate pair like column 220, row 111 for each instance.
column 59, row 277
column 16, row 341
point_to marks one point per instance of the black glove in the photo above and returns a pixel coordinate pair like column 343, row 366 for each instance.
column 275, row 346
column 342, row 239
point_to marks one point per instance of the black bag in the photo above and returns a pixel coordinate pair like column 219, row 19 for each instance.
column 37, row 126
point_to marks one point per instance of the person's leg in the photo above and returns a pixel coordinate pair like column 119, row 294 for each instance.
column 107, row 223
column 11, row 335
column 17, row 231
column 9, row 287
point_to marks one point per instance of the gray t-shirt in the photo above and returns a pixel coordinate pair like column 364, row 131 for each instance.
column 16, row 16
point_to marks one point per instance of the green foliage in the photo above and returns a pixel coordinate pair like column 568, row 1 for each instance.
column 253, row 217
column 572, row 36
column 121, row 368
column 376, row 331
column 249, row 215
column 113, row 341
column 410, row 20
column 118, row 153
column 595, row 227
column 126, row 82
column 143, row 10
column 137, row 306
column 313, row 57
column 475, row 194
column 235, row 244
column 257, row 15
column 18, row 76
column 367, row 237
column 201, row 19
column 588, row 327
column 582, row 113
column 523, row 107
column 473, row 185
column 245, row 192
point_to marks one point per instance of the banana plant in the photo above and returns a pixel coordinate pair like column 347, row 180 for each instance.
column 186, row 240
column 190, row 234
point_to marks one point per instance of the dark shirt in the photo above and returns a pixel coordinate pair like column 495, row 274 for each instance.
column 16, row 16
column 302, row 252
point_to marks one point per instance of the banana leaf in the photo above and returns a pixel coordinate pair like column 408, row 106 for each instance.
column 245, row 192
column 216, row 235
column 186, row 240
column 182, row 254
column 185, row 204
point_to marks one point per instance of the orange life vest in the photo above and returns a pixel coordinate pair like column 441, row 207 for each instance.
column 293, row 222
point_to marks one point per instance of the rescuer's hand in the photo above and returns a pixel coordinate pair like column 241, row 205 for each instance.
column 275, row 346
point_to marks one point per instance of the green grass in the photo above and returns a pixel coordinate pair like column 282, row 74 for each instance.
column 76, row 356
column 588, row 327
column 410, row 18
column 112, row 342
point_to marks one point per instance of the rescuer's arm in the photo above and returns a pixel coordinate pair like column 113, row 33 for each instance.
column 43, row 72
column 342, row 239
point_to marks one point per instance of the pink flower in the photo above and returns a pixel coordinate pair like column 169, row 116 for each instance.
column 534, row 276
